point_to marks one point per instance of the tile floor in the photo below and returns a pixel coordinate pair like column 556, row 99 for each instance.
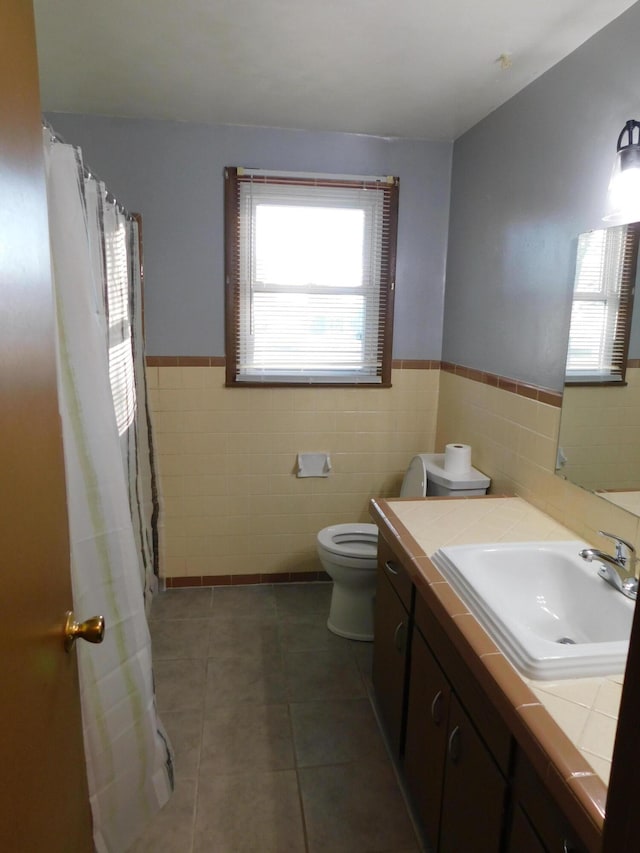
column 277, row 747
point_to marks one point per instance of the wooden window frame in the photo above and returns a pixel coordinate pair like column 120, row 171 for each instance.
column 233, row 177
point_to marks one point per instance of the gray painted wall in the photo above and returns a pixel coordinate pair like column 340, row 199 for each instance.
column 526, row 181
column 172, row 173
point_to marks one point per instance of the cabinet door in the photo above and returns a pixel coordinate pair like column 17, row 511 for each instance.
column 522, row 838
column 474, row 791
column 426, row 739
column 393, row 569
column 391, row 630
column 542, row 813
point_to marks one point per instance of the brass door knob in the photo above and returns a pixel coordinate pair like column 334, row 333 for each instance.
column 92, row 630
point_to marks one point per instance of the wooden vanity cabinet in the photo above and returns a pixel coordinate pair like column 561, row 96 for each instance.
column 537, row 820
column 392, row 626
column 458, row 791
column 472, row 788
column 425, row 752
column 522, row 837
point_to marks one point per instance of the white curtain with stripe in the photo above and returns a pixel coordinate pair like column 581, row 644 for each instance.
column 129, row 759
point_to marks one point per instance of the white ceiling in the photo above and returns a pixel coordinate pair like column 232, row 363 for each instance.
column 412, row 68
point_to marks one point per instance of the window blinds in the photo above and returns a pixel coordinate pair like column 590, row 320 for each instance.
column 602, row 303
column 310, row 283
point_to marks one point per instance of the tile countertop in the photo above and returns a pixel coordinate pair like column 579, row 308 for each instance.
column 584, row 709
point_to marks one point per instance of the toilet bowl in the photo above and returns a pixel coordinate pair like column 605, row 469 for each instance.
column 348, row 552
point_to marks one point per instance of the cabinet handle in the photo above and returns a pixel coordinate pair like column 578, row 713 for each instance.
column 400, row 637
column 390, row 568
column 454, row 745
column 436, row 708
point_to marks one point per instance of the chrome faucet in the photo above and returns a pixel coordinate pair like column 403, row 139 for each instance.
column 618, row 570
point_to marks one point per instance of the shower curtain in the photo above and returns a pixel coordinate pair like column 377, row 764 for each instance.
column 112, row 504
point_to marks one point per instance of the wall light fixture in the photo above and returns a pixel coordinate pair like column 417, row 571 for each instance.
column 623, row 202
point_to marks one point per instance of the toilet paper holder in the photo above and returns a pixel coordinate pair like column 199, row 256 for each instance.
column 313, row 465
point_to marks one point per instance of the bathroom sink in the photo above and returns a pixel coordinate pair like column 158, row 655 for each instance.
column 543, row 605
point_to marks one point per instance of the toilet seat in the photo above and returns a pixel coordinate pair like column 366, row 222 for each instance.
column 359, row 541
column 414, row 484
column 349, row 555
column 349, row 552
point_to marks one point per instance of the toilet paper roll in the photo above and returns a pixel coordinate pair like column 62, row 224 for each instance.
column 457, row 458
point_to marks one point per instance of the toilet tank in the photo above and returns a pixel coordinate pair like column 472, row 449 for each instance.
column 426, row 477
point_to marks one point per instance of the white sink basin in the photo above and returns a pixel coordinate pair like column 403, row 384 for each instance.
column 543, row 605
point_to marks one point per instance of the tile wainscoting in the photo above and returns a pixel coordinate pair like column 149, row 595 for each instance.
column 234, row 511
column 514, row 438
column 600, row 429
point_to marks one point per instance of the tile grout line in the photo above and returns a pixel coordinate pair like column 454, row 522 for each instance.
column 396, row 772
column 279, row 617
column 210, row 619
column 303, row 818
column 206, row 675
column 197, row 790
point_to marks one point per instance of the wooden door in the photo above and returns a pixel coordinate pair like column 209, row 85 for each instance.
column 43, row 792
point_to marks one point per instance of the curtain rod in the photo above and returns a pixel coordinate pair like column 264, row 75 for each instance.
column 87, row 172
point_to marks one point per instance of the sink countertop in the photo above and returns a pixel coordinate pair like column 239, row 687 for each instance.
column 584, row 709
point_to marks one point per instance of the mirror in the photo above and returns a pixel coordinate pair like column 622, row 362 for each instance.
column 599, row 442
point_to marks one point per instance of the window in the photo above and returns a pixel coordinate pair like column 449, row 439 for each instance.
column 310, row 266
column 602, row 303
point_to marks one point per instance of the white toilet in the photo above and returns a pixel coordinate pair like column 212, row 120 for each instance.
column 348, row 552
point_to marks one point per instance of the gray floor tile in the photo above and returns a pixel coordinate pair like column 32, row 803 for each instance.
column 255, row 637
column 363, row 654
column 249, row 812
column 354, row 808
column 414, row 849
column 180, row 684
column 179, row 638
column 241, row 738
column 241, row 680
column 185, row 733
column 309, row 631
column 171, row 830
column 181, row 604
column 229, row 714
column 240, row 601
column 323, row 674
column 335, row 732
column 297, row 599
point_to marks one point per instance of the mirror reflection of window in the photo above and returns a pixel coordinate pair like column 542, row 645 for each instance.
column 602, row 304
column 599, row 436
